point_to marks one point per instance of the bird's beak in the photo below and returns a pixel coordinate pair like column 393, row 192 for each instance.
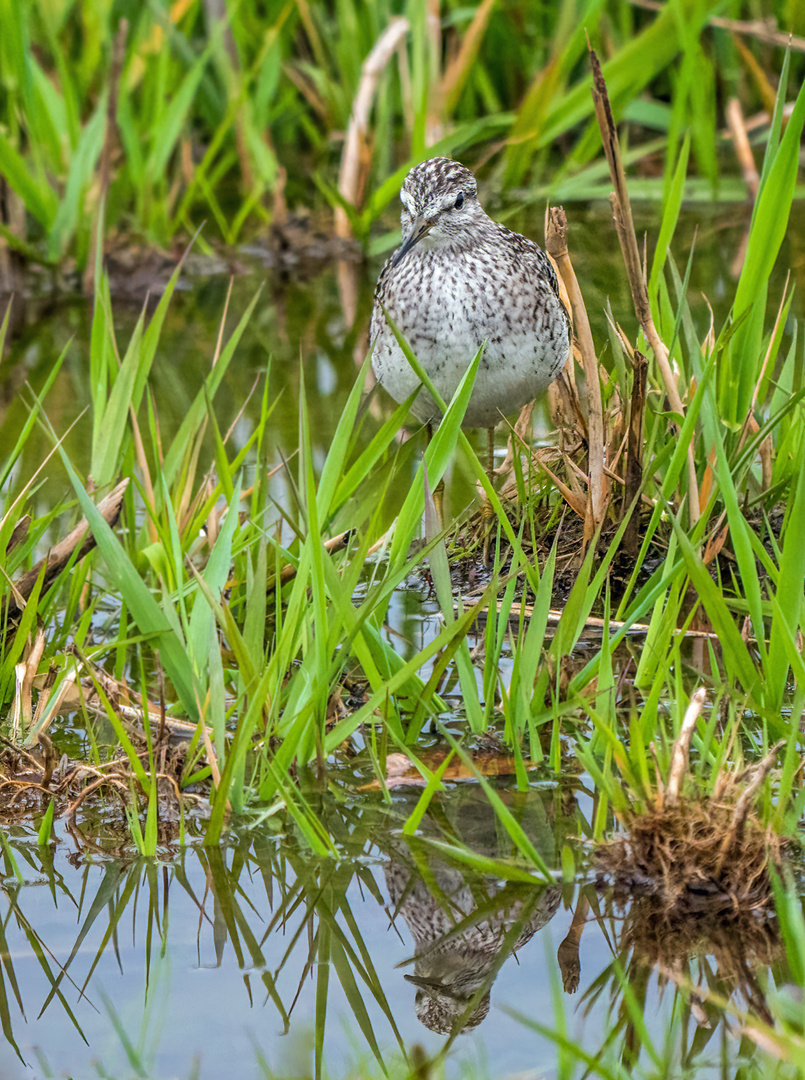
column 430, row 986
column 420, row 228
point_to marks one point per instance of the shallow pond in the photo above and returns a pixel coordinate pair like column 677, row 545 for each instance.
column 235, row 961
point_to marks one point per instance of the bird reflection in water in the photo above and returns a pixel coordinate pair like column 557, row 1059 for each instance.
column 463, row 930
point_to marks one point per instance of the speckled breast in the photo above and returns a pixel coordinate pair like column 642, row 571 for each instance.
column 446, row 309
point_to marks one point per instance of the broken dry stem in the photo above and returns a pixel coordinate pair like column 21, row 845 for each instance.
column 556, row 243
column 681, row 750
column 51, row 566
column 744, row 804
column 622, row 213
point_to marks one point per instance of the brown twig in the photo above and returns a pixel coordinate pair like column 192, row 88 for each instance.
column 49, row 758
column 113, row 782
column 556, row 244
column 622, row 212
column 334, row 544
column 60, row 555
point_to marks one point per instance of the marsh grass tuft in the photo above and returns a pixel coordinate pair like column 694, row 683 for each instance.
column 696, row 856
column 694, row 849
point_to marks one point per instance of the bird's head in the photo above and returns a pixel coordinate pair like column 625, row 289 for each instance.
column 440, row 203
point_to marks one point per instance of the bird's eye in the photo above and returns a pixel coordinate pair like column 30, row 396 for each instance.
column 459, row 200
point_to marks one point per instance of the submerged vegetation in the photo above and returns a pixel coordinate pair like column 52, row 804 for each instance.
column 214, row 614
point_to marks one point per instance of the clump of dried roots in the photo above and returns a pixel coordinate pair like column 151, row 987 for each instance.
column 702, row 854
column 691, row 877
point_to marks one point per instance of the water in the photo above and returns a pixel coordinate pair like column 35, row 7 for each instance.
column 214, row 958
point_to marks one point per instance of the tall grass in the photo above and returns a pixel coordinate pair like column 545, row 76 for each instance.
column 256, row 626
column 246, row 619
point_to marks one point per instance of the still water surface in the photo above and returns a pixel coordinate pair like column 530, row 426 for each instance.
column 213, row 960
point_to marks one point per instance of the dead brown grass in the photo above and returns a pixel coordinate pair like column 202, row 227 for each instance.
column 690, row 857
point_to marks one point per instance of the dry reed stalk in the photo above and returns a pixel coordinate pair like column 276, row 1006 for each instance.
column 24, row 673
column 633, row 480
column 716, row 541
column 622, row 213
column 743, row 151
column 434, row 117
column 679, row 754
column 578, row 504
column 593, row 622
column 356, row 157
column 58, row 557
column 765, row 89
column 459, row 67
column 563, row 401
column 110, row 138
column 759, row 29
column 707, row 480
column 517, row 438
column 47, row 707
column 556, row 244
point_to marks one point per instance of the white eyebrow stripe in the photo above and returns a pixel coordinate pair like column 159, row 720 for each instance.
column 405, row 199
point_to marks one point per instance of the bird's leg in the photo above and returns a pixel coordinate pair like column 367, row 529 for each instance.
column 487, row 513
column 438, row 491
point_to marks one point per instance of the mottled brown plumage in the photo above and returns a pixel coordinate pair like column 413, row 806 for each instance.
column 458, row 281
